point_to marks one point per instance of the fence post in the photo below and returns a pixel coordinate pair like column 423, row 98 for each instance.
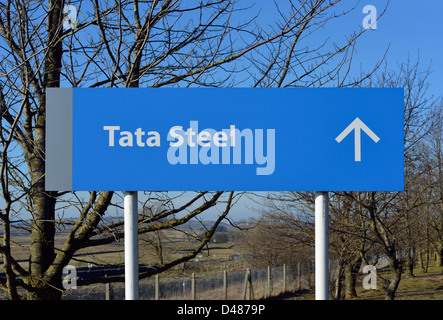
column 284, row 278
column 157, row 289
column 225, row 285
column 298, row 277
column 248, row 285
column 309, row 274
column 108, row 291
column 269, row 293
column 193, row 286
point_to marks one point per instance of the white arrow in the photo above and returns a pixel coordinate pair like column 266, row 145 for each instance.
column 357, row 125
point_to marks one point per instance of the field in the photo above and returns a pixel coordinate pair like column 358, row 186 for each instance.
column 154, row 248
column 219, row 256
column 422, row 286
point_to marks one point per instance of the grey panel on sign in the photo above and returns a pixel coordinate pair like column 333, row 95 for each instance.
column 58, row 139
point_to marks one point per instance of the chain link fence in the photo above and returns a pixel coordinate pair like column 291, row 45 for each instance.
column 246, row 284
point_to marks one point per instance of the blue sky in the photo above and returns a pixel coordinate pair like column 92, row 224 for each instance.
column 409, row 28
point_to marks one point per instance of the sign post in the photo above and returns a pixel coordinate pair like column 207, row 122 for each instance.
column 131, row 244
column 241, row 139
column 321, row 246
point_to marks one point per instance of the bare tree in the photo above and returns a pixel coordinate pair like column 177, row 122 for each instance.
column 389, row 222
column 392, row 216
column 280, row 236
column 433, row 228
column 130, row 43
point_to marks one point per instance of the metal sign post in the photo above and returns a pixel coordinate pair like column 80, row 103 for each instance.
column 131, row 245
column 169, row 146
column 321, row 246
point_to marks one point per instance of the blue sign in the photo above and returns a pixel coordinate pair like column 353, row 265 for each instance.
column 232, row 139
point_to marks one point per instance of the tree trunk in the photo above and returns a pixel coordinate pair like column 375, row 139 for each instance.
column 423, row 258
column 351, row 272
column 338, row 281
column 46, row 291
column 410, row 262
column 439, row 261
column 10, row 276
column 392, row 287
column 43, row 226
column 394, row 281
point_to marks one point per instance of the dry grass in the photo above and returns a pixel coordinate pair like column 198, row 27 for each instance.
column 422, row 286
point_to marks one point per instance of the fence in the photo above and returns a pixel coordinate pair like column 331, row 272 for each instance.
column 248, row 284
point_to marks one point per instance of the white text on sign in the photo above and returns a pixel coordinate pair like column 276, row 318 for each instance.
column 191, row 146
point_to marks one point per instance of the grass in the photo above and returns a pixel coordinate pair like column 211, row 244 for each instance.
column 175, row 244
column 421, row 286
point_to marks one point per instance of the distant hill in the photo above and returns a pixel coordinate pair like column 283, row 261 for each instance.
column 20, row 227
column 201, row 225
